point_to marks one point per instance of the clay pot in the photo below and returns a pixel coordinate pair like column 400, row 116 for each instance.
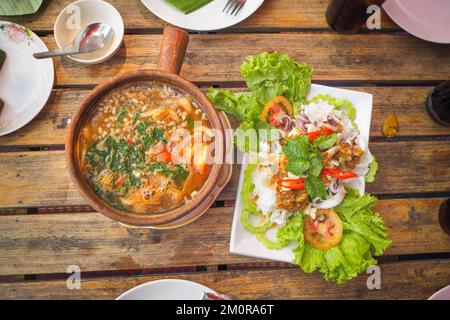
column 173, row 48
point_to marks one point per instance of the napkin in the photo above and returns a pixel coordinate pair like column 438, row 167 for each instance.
column 19, row 7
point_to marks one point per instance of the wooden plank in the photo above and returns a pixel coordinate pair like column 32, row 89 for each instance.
column 218, row 57
column 40, row 178
column 399, row 280
column 48, row 243
column 28, row 184
column 48, row 128
column 284, row 14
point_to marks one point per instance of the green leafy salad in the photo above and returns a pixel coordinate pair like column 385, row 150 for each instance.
column 303, row 188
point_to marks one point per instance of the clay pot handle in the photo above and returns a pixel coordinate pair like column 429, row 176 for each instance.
column 173, row 48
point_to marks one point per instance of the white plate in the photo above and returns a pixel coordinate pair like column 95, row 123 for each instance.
column 208, row 18
column 428, row 20
column 245, row 243
column 167, row 289
column 26, row 83
column 443, row 294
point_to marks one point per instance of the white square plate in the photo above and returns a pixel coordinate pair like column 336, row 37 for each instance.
column 245, row 243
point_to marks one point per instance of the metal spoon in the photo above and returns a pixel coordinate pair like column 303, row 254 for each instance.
column 90, row 38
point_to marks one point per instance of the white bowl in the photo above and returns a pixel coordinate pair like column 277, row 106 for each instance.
column 81, row 13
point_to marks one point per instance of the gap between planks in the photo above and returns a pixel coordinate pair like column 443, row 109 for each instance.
column 326, row 82
column 373, row 139
column 414, row 280
column 16, row 211
column 385, row 102
column 201, row 269
column 237, row 30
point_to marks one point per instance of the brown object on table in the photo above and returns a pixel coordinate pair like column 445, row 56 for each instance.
column 347, row 16
column 173, row 48
column 438, row 103
column 444, row 216
column 2, row 58
column 391, row 126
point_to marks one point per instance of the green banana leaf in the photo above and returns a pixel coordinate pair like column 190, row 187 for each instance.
column 19, row 7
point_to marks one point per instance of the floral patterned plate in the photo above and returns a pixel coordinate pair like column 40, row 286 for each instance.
column 25, row 82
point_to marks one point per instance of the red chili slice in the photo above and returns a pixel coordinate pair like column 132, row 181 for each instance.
column 118, row 180
column 322, row 132
column 339, row 174
column 293, row 184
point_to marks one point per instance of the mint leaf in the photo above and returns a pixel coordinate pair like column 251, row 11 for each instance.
column 305, row 158
column 325, row 142
column 316, row 164
column 297, row 149
column 315, row 187
column 298, row 167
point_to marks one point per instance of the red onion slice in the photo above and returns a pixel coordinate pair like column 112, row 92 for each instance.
column 333, row 200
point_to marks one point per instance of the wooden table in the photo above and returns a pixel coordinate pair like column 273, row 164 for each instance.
column 45, row 225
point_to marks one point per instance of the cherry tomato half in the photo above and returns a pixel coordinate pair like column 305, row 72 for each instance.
column 275, row 108
column 164, row 156
column 325, row 231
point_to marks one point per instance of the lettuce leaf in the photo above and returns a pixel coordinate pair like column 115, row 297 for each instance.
column 292, row 230
column 241, row 105
column 364, row 232
column 373, row 168
column 357, row 214
column 346, row 260
column 267, row 75
column 271, row 74
column 244, row 107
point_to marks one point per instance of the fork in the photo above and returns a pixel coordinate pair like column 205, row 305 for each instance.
column 234, row 6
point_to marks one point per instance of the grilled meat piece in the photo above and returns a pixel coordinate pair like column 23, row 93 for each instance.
column 291, row 200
